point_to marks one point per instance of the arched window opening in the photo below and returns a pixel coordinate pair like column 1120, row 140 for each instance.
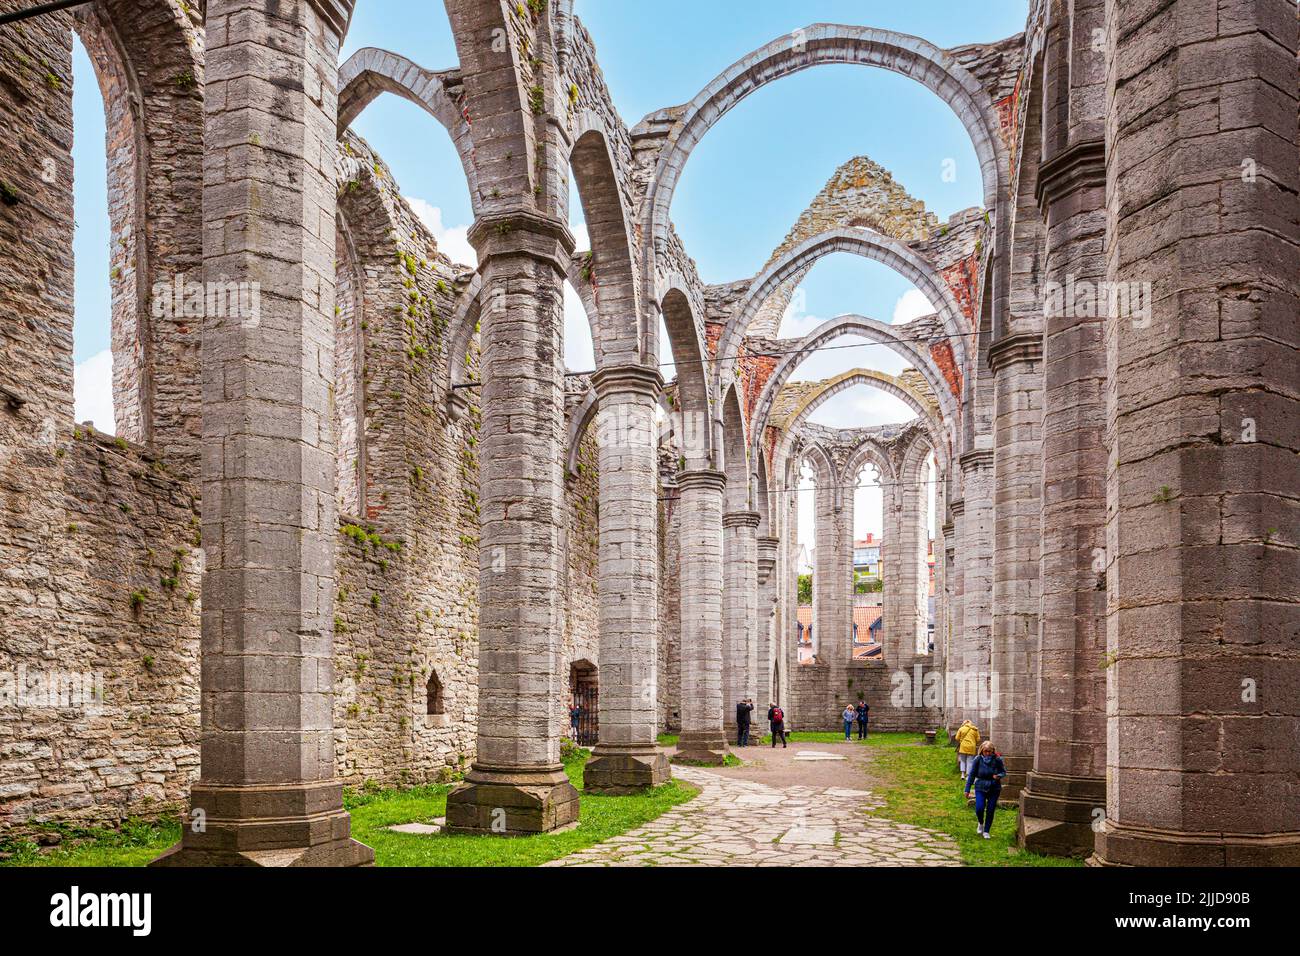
column 99, row 251
column 931, row 475
column 868, row 563
column 805, row 563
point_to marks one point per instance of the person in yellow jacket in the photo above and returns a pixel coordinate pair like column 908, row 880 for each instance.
column 968, row 744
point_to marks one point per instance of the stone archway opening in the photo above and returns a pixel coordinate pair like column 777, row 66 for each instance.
column 584, row 703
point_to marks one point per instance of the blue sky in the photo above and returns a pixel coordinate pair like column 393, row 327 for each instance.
column 741, row 191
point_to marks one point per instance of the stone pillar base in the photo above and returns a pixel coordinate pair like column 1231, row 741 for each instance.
column 508, row 801
column 1018, row 770
column 1057, row 814
column 616, row 770
column 701, row 747
column 1119, row 845
column 294, row 825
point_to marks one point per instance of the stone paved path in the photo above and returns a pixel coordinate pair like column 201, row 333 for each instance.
column 735, row 822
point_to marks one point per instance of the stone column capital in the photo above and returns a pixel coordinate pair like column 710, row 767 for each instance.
column 705, row 479
column 973, row 461
column 544, row 238
column 627, row 380
column 1081, row 165
column 1019, row 348
column 958, row 508
column 741, row 519
column 337, row 13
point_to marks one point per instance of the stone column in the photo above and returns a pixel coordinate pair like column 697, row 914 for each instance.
column 954, row 703
column 786, row 656
column 267, row 793
column 1066, row 789
column 740, row 609
column 626, row 758
column 517, row 784
column 942, row 601
column 767, row 617
column 975, row 552
column 1203, row 413
column 1017, row 478
column 909, row 576
column 832, row 576
column 702, row 738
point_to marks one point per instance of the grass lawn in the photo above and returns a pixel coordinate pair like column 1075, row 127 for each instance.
column 601, row 817
column 920, row 786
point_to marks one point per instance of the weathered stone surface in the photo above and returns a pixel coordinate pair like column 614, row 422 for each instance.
column 408, row 547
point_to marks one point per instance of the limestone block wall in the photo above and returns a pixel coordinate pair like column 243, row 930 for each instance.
column 100, row 550
column 98, row 541
column 36, row 278
column 819, row 692
column 99, row 578
column 579, row 590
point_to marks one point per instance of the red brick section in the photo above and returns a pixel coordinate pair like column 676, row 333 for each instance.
column 712, row 333
column 941, row 353
column 1008, row 115
column 754, row 371
column 962, row 278
column 1009, row 120
column 773, row 436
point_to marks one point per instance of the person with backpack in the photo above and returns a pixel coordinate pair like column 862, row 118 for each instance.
column 986, row 772
column 776, row 717
column 864, row 712
column 850, row 715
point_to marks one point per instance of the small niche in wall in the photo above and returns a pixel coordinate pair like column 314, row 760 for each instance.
column 435, row 704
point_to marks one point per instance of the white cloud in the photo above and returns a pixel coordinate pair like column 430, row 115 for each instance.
column 796, row 320
column 860, row 407
column 912, row 304
column 582, row 238
column 845, row 353
column 453, row 241
column 92, row 392
column 579, row 352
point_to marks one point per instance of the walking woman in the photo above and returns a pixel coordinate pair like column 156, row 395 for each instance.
column 968, row 741
column 850, row 715
column 986, row 772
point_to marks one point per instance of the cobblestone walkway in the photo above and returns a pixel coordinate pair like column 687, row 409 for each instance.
column 740, row 823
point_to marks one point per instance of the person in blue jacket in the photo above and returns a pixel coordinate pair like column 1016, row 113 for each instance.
column 986, row 773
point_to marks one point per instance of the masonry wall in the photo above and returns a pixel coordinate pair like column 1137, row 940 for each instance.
column 100, row 554
column 579, row 591
column 99, row 575
column 819, row 693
